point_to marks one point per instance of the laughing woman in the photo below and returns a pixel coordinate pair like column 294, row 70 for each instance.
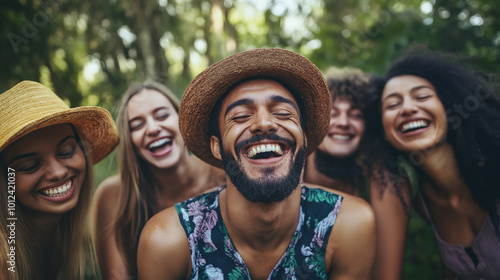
column 445, row 122
column 156, row 171
column 46, row 155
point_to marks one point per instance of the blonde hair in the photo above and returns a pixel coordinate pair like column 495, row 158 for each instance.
column 23, row 241
column 136, row 178
column 73, row 251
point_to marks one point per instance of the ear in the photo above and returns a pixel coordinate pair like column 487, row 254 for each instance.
column 215, row 147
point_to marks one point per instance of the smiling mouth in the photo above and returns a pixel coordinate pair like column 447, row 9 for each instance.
column 57, row 191
column 414, row 125
column 264, row 151
column 342, row 137
column 159, row 144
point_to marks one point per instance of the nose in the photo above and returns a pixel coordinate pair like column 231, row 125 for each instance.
column 153, row 128
column 264, row 122
column 409, row 107
column 55, row 170
column 340, row 120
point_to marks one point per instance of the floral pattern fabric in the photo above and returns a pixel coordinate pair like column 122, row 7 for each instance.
column 214, row 256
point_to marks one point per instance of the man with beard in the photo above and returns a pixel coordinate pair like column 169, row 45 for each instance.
column 258, row 114
column 346, row 161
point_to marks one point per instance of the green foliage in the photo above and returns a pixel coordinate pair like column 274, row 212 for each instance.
column 370, row 35
column 422, row 259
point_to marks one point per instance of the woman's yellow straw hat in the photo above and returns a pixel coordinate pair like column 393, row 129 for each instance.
column 29, row 106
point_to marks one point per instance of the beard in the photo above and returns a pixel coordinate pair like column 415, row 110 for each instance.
column 269, row 188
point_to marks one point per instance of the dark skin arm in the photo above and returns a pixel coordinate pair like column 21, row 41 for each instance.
column 392, row 225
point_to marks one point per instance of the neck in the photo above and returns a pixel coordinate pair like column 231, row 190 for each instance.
column 313, row 175
column 259, row 226
column 43, row 230
column 43, row 225
column 441, row 170
column 180, row 182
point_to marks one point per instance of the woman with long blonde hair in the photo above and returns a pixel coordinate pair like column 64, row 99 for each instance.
column 156, row 171
column 46, row 155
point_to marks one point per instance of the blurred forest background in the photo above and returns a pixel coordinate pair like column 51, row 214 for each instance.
column 89, row 51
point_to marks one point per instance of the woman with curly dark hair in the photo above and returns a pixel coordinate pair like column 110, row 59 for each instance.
column 346, row 161
column 443, row 121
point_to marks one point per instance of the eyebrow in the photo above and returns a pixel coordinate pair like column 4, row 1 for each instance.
column 247, row 101
column 281, row 99
column 421, row 87
column 389, row 96
column 353, row 107
column 244, row 101
column 34, row 154
column 65, row 139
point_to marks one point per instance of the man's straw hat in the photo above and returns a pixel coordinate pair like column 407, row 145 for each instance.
column 300, row 76
column 29, row 106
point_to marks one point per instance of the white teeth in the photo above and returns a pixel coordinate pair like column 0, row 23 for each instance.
column 413, row 125
column 159, row 143
column 341, row 137
column 58, row 191
column 265, row 148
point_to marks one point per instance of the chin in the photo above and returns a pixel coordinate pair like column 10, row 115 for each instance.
column 167, row 164
column 341, row 154
column 61, row 210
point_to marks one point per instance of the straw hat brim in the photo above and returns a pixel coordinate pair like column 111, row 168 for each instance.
column 94, row 124
column 300, row 76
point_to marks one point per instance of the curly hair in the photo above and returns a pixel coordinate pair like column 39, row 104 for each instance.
column 473, row 114
column 351, row 84
column 360, row 90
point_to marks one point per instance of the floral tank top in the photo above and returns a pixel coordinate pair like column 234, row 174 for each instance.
column 214, row 256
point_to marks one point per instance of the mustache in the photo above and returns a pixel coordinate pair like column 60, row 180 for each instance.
column 260, row 137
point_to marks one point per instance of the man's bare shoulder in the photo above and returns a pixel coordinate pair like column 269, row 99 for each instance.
column 351, row 246
column 355, row 213
column 165, row 222
column 163, row 251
